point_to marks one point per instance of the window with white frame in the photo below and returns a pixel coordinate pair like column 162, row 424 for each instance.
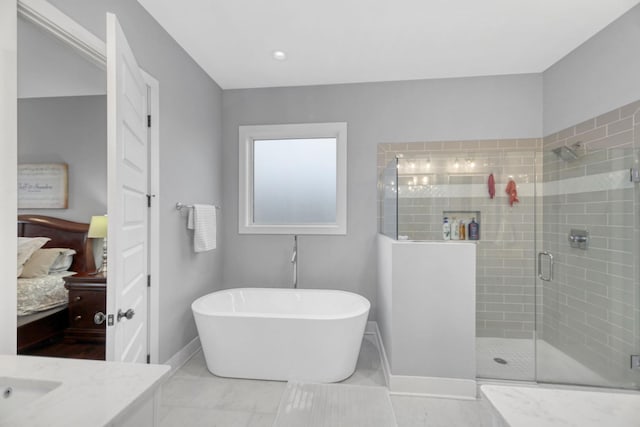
column 293, row 179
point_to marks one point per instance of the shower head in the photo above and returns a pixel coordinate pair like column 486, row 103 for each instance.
column 565, row 153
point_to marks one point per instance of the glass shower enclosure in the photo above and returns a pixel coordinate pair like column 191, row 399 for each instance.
column 588, row 283
column 557, row 272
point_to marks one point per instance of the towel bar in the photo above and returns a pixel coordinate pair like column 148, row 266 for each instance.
column 180, row 206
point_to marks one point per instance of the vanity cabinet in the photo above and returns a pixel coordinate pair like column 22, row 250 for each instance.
column 87, row 297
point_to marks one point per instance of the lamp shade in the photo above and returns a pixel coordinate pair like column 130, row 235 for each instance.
column 98, row 227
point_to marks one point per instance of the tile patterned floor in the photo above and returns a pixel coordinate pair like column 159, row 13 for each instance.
column 413, row 411
column 193, row 397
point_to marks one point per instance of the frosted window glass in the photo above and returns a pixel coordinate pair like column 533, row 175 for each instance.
column 294, row 181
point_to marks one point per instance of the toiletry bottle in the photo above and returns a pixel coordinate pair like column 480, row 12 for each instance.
column 446, row 229
column 463, row 229
column 455, row 229
column 474, row 230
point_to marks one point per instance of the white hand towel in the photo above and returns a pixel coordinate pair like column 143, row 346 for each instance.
column 202, row 220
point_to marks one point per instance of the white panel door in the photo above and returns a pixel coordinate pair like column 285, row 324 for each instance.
column 127, row 201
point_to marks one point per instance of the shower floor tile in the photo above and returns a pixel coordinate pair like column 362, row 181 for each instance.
column 518, row 353
column 558, row 367
column 553, row 364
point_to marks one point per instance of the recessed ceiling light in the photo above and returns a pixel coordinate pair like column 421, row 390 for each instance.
column 279, row 55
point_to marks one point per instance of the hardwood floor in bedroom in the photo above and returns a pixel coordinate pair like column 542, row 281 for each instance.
column 69, row 350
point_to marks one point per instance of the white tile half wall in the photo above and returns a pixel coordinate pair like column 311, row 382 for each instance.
column 426, row 316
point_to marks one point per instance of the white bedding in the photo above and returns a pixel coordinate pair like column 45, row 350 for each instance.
column 41, row 293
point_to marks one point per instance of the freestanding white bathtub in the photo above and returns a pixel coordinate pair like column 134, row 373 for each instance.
column 281, row 334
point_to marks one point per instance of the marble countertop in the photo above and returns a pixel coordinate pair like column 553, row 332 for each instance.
column 535, row 406
column 91, row 392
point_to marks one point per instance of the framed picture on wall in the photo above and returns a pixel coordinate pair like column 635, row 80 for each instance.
column 43, row 186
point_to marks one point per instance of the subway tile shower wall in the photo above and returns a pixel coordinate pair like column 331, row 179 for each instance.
column 505, row 253
column 591, row 309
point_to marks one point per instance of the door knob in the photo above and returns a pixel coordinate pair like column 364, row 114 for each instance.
column 128, row 314
column 99, row 318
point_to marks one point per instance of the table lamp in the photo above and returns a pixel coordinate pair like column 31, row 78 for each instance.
column 98, row 230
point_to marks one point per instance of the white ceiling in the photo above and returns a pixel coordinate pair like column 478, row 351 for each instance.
column 346, row 41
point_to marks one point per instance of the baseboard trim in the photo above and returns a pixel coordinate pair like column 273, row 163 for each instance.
column 386, row 367
column 371, row 328
column 183, row 355
column 452, row 388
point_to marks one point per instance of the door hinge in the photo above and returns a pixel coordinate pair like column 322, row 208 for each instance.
column 148, row 200
column 149, row 120
column 148, row 358
column 148, row 280
column 635, row 361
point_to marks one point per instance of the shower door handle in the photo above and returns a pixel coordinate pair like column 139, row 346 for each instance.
column 540, row 274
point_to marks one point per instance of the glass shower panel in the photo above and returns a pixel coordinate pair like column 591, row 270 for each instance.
column 454, row 184
column 389, row 200
column 588, row 308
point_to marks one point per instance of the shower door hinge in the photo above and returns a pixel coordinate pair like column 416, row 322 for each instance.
column 634, row 175
column 148, row 280
column 148, row 358
column 635, row 361
column 149, row 120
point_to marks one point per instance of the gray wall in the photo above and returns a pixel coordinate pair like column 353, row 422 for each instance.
column 450, row 109
column 190, row 123
column 599, row 76
column 70, row 130
column 49, row 67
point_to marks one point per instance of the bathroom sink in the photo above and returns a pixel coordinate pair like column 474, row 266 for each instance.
column 15, row 393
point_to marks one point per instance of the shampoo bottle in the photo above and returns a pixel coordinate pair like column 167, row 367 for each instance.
column 446, row 229
column 474, row 230
column 463, row 230
column 455, row 229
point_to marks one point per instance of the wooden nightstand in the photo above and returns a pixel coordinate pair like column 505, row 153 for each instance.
column 87, row 296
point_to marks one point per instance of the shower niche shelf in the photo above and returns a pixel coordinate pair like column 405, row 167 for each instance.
column 465, row 216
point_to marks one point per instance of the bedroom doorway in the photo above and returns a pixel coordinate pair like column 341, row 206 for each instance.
column 144, row 329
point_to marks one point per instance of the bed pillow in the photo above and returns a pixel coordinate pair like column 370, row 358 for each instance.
column 63, row 262
column 39, row 263
column 26, row 247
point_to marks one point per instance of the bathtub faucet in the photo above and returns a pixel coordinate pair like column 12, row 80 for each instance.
column 294, row 257
column 294, row 261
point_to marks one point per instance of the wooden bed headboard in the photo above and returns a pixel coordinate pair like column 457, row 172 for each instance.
column 63, row 234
